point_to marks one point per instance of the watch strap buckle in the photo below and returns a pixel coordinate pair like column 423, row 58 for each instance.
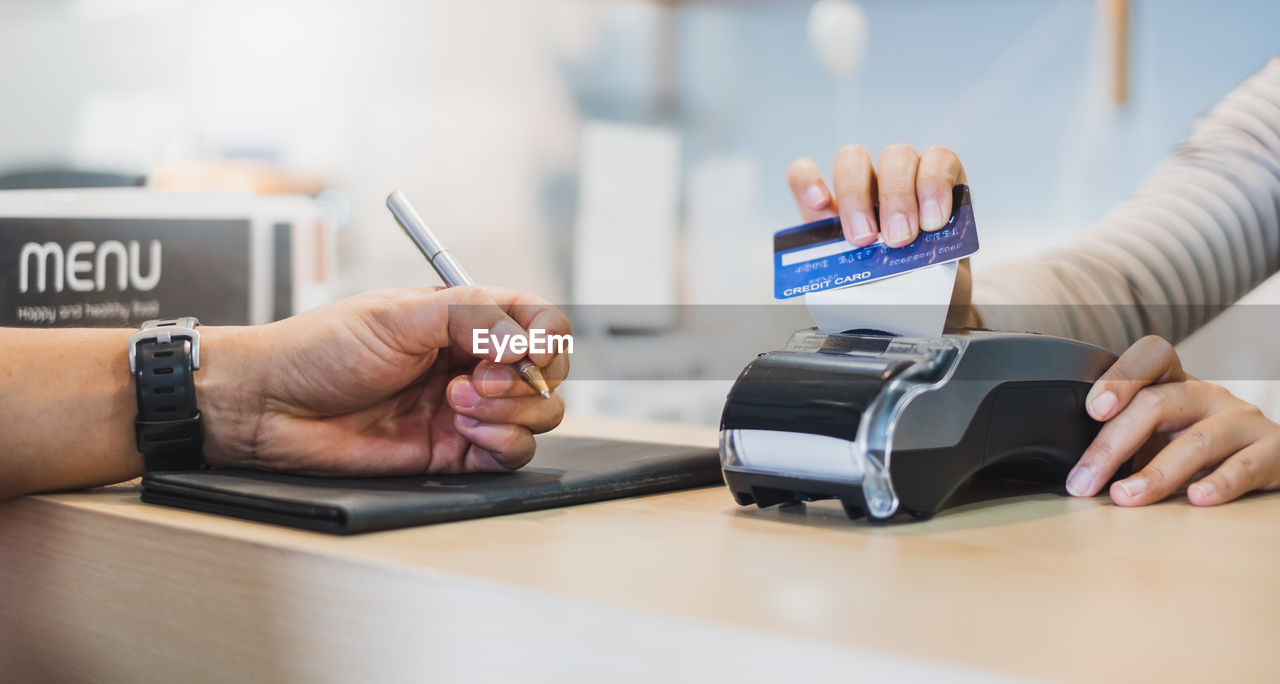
column 163, row 330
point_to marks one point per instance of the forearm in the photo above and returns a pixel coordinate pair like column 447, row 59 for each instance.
column 67, row 406
column 67, row 410
column 364, row 386
column 1200, row 232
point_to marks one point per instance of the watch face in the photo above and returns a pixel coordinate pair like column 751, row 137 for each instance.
column 119, row 272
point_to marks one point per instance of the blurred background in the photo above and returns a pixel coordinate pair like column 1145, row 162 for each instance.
column 619, row 151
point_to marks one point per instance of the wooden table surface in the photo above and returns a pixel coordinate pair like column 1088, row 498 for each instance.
column 685, row 586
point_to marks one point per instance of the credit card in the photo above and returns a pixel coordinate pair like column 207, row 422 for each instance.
column 816, row 257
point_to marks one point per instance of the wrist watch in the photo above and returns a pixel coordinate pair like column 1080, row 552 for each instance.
column 163, row 356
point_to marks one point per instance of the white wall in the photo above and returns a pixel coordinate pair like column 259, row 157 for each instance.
column 474, row 108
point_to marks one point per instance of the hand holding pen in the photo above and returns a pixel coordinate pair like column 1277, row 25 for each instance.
column 452, row 273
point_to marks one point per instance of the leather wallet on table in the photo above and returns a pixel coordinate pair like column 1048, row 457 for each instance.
column 564, row 472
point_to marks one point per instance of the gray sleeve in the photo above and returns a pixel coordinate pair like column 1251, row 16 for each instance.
column 1202, row 230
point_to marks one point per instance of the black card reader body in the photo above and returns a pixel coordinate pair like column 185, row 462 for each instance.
column 896, row 424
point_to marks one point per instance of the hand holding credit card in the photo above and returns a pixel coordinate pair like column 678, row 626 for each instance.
column 815, row 257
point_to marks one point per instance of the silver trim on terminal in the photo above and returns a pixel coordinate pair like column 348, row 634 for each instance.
column 880, row 420
column 869, row 455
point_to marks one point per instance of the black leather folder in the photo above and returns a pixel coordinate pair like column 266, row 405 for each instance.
column 564, row 472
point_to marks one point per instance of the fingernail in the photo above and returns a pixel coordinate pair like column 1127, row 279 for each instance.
column 467, row 421
column 1133, row 486
column 463, row 395
column 1204, row 490
column 899, row 230
column 505, row 328
column 505, row 347
column 816, row 197
column 1102, row 405
column 931, row 216
column 1078, row 480
column 495, row 379
column 860, row 228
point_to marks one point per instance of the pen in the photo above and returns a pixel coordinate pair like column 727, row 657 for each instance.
column 451, row 272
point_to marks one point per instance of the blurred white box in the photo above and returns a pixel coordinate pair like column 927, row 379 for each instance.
column 624, row 251
column 728, row 253
column 118, row 256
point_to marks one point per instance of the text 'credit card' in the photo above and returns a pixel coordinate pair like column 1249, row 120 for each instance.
column 815, row 256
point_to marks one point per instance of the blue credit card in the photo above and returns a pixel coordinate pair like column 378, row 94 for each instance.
column 816, row 257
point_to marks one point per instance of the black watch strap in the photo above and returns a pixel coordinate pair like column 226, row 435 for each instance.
column 163, row 357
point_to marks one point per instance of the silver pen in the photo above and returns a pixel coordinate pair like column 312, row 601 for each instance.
column 451, row 272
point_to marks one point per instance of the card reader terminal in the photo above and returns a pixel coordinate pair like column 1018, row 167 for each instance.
column 893, row 424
